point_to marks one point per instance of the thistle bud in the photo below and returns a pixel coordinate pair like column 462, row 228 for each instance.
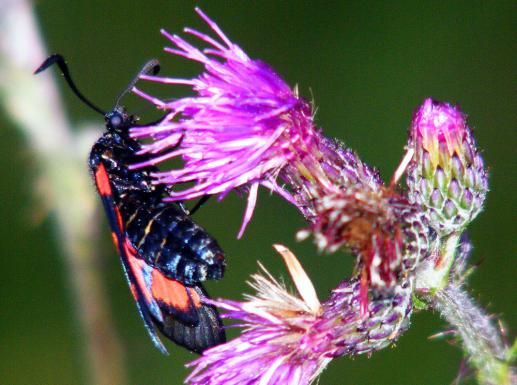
column 446, row 177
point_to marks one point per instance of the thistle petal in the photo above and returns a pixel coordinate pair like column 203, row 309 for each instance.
column 300, row 278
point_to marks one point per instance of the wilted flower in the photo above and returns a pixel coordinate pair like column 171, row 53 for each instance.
column 381, row 227
column 290, row 339
column 447, row 176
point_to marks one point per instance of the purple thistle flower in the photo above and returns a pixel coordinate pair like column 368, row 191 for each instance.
column 290, row 339
column 239, row 130
column 245, row 127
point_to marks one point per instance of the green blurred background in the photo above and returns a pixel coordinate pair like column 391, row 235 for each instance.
column 367, row 65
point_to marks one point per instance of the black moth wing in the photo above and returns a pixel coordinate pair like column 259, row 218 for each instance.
column 206, row 334
column 145, row 308
column 164, row 253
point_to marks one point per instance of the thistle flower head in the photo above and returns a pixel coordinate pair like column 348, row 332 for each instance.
column 447, row 176
column 238, row 130
column 276, row 346
column 290, row 339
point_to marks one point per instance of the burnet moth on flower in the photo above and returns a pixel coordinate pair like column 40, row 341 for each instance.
column 164, row 254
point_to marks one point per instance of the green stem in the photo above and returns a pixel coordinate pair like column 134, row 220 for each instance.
column 433, row 273
column 481, row 340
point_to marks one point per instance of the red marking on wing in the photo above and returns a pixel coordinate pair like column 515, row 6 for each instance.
column 115, row 238
column 137, row 266
column 169, row 291
column 102, row 180
column 129, row 248
column 119, row 221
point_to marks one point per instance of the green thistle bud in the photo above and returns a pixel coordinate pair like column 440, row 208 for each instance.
column 447, row 176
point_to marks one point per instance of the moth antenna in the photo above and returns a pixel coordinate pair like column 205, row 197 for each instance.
column 61, row 63
column 152, row 66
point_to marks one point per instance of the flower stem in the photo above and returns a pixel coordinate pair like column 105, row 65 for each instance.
column 481, row 340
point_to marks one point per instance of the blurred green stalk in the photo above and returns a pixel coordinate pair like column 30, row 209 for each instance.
column 481, row 341
column 34, row 106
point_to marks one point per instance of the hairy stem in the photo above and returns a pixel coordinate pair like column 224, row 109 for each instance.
column 482, row 341
column 34, row 106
